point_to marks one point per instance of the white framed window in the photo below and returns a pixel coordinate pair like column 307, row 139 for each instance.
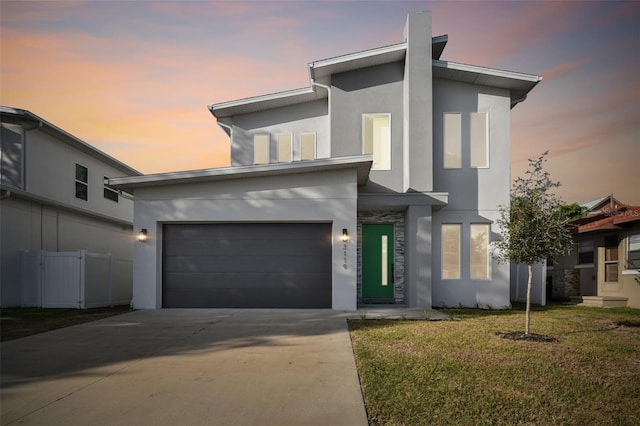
column 261, row 148
column 452, row 140
column 308, row 146
column 479, row 251
column 451, row 233
column 633, row 252
column 285, row 148
column 110, row 193
column 82, row 182
column 480, row 140
column 376, row 139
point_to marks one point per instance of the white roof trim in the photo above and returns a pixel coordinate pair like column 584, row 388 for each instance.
column 486, row 71
column 359, row 55
column 261, row 98
column 362, row 162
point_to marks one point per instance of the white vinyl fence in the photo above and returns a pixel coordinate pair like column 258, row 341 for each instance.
column 70, row 279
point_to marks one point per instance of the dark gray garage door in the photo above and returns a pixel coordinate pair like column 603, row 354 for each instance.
column 255, row 265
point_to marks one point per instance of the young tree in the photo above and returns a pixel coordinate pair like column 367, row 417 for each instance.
column 534, row 225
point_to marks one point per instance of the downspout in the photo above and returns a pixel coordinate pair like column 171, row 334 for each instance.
column 328, row 89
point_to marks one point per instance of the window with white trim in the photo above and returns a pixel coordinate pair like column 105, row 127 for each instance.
column 261, row 148
column 110, row 193
column 479, row 139
column 479, row 250
column 451, row 251
column 308, row 146
column 633, row 252
column 285, row 148
column 452, row 140
column 82, row 182
column 376, row 139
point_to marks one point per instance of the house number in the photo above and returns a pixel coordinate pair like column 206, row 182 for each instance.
column 344, row 249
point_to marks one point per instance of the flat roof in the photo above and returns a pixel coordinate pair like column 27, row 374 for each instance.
column 361, row 162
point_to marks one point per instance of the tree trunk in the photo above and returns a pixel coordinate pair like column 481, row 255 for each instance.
column 528, row 307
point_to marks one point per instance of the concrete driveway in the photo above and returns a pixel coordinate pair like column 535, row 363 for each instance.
column 188, row 367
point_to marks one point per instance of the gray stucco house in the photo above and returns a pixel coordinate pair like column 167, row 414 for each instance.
column 380, row 182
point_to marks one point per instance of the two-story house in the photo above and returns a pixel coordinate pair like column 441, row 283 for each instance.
column 378, row 183
column 53, row 198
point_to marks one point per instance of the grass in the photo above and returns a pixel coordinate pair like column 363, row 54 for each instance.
column 460, row 372
column 23, row 322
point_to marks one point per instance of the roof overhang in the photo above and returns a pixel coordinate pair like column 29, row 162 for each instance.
column 24, row 116
column 264, row 102
column 362, row 164
column 518, row 84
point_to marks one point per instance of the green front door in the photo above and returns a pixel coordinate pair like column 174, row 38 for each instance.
column 377, row 263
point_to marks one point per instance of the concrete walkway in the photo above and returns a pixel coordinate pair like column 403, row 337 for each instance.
column 396, row 312
column 187, row 367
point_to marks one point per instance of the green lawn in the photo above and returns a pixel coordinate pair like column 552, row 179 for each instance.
column 23, row 322
column 460, row 373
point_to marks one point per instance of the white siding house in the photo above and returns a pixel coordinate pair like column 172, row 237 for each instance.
column 54, row 199
column 404, row 156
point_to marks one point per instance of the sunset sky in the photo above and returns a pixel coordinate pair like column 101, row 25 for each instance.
column 134, row 78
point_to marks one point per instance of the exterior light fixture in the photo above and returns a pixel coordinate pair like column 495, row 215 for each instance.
column 345, row 235
column 142, row 235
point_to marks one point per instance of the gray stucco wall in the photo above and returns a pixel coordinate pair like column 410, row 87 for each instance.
column 323, row 197
column 372, row 90
column 474, row 194
column 301, row 118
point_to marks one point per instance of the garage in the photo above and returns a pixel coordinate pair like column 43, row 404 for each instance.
column 247, row 265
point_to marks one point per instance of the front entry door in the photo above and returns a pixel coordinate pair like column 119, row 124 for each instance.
column 378, row 249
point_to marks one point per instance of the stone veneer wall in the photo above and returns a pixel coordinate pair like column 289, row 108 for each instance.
column 397, row 218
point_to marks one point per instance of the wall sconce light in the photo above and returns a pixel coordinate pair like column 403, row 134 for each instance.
column 345, row 235
column 142, row 235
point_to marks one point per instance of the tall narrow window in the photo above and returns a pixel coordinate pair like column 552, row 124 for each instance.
column 110, row 193
column 611, row 259
column 261, row 148
column 452, row 140
column 633, row 252
column 82, row 182
column 479, row 139
column 585, row 252
column 307, row 146
column 451, row 251
column 285, row 148
column 376, row 139
column 480, row 252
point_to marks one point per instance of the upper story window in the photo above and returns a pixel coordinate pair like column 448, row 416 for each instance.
column 285, row 148
column 633, row 252
column 452, row 140
column 585, row 252
column 261, row 148
column 480, row 265
column 82, row 182
column 307, row 146
column 451, row 233
column 479, row 139
column 376, row 139
column 110, row 193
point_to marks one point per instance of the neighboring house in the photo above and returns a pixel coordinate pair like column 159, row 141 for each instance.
column 603, row 268
column 378, row 183
column 54, row 199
